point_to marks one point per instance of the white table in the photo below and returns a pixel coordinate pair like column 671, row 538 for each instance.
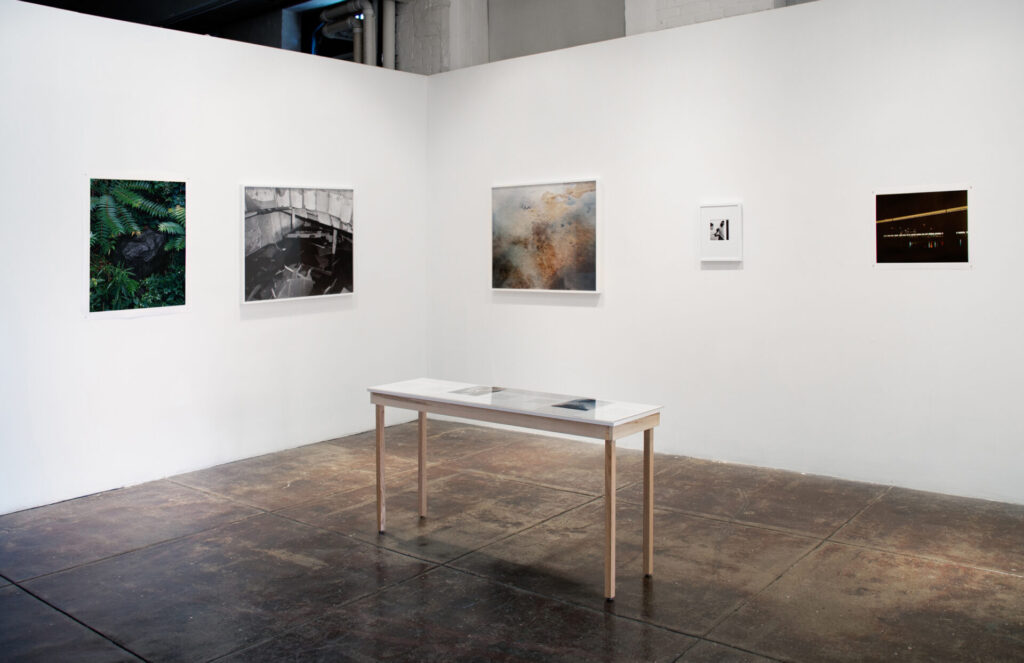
column 574, row 415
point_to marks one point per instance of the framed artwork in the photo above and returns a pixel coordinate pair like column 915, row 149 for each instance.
column 136, row 244
column 298, row 243
column 721, row 233
column 544, row 237
column 921, row 227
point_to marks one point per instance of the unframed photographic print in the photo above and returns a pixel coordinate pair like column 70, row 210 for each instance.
column 136, row 244
column 480, row 390
column 544, row 237
column 582, row 404
column 298, row 242
column 929, row 227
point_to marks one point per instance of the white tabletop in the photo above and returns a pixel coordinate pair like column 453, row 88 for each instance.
column 555, row 406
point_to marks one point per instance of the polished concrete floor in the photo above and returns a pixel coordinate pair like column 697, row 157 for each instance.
column 277, row 558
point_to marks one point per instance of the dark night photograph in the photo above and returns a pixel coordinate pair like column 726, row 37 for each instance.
column 921, row 227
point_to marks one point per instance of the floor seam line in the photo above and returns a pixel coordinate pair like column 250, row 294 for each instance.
column 148, row 546
column 686, row 650
column 927, row 558
column 728, row 521
column 527, row 482
column 81, row 623
column 860, row 511
column 742, row 603
column 520, row 531
column 468, row 454
column 356, row 539
column 821, row 542
column 568, row 602
column 738, row 648
column 335, row 606
column 212, row 493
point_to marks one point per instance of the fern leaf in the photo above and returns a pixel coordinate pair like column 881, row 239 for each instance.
column 137, row 201
column 128, row 220
column 171, row 228
column 108, row 218
column 136, row 185
column 155, row 209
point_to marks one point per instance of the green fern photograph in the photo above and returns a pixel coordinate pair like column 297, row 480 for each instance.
column 136, row 244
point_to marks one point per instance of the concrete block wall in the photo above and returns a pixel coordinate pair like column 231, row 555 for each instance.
column 433, row 36
column 650, row 15
column 673, row 13
column 423, row 36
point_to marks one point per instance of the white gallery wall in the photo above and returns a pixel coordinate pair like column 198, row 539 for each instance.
column 808, row 357
column 89, row 404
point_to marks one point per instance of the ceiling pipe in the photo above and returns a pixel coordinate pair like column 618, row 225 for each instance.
column 387, row 31
column 347, row 11
column 347, row 28
column 341, row 29
column 357, row 40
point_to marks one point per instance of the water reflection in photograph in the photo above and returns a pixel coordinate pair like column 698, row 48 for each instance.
column 921, row 227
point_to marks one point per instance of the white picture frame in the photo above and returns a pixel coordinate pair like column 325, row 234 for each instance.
column 322, row 262
column 720, row 229
column 516, row 211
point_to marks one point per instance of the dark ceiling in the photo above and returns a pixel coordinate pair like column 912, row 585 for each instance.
column 200, row 16
column 289, row 24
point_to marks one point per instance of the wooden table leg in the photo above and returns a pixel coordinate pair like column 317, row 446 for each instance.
column 649, row 502
column 423, row 465
column 609, row 519
column 380, row 469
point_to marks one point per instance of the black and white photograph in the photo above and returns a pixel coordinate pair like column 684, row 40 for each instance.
column 719, row 230
column 298, row 243
column 926, row 227
column 721, row 236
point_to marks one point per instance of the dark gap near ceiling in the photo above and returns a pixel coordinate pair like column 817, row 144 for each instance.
column 286, row 24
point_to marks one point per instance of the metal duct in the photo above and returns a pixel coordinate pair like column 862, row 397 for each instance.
column 351, row 9
column 341, row 29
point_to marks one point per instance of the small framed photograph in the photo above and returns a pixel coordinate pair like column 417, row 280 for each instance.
column 721, row 233
column 298, row 243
